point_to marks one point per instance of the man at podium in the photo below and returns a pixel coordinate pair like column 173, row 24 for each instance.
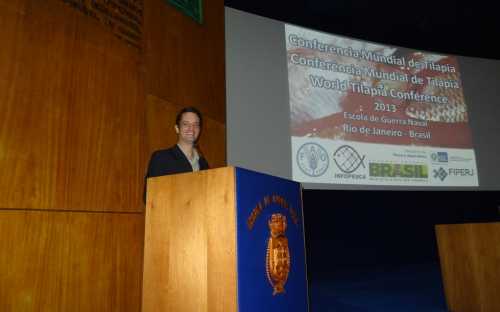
column 182, row 157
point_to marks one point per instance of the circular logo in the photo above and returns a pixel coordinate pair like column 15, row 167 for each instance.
column 312, row 159
column 434, row 156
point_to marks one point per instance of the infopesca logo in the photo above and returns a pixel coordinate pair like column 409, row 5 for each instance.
column 348, row 159
column 312, row 159
column 398, row 170
column 440, row 157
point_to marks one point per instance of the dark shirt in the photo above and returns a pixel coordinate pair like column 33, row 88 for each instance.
column 170, row 161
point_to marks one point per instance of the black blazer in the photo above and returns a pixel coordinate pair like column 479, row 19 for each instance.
column 170, row 161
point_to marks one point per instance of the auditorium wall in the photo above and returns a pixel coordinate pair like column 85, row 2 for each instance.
column 80, row 111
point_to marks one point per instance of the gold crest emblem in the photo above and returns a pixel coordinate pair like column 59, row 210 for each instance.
column 278, row 255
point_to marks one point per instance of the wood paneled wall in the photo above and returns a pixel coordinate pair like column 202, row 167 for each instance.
column 184, row 60
column 76, row 130
column 470, row 265
column 71, row 98
column 70, row 261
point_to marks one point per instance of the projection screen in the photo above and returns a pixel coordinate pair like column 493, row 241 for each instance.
column 337, row 112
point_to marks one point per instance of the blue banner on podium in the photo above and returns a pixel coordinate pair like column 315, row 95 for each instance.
column 271, row 247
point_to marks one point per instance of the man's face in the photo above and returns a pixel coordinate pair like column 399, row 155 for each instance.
column 189, row 128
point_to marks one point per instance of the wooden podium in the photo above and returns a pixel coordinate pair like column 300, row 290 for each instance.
column 470, row 265
column 225, row 239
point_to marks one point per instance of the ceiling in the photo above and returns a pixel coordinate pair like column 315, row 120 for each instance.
column 441, row 26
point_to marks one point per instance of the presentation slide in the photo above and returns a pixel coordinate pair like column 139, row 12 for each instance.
column 370, row 114
column 334, row 112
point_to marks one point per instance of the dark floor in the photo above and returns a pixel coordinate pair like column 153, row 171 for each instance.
column 408, row 288
column 377, row 250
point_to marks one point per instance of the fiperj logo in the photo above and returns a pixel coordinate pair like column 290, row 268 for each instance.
column 312, row 159
column 440, row 157
column 440, row 174
column 461, row 172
